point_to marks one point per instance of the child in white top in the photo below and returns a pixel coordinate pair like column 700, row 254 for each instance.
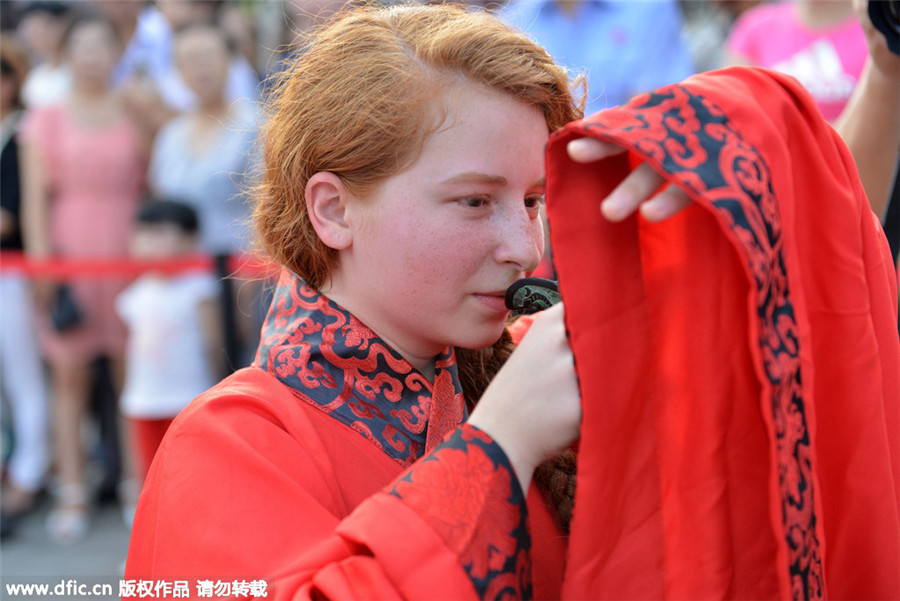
column 173, row 342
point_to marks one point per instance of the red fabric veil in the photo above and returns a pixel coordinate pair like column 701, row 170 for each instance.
column 739, row 363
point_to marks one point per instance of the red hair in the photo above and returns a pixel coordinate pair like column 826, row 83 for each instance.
column 359, row 102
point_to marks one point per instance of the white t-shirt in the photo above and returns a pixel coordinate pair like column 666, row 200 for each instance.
column 167, row 363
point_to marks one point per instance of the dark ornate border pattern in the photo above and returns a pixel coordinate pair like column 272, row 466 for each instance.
column 692, row 140
column 334, row 362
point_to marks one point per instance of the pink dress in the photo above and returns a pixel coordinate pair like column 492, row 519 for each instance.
column 96, row 177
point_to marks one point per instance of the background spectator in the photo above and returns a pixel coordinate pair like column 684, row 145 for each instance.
column 624, row 48
column 707, row 25
column 21, row 372
column 173, row 342
column 203, row 157
column 241, row 82
column 83, row 176
column 41, row 31
column 140, row 74
column 820, row 42
column 240, row 27
column 823, row 43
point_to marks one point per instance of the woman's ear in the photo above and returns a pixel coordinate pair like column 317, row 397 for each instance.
column 326, row 202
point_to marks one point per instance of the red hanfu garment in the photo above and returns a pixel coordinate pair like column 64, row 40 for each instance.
column 322, row 470
column 739, row 363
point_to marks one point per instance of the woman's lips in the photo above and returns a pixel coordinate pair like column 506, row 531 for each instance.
column 495, row 301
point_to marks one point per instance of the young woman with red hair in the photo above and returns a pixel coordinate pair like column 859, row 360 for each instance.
column 402, row 192
column 387, row 442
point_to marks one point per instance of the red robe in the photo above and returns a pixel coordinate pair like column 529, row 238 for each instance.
column 310, row 471
column 739, row 363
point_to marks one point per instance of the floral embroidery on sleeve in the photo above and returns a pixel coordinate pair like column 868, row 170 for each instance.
column 467, row 490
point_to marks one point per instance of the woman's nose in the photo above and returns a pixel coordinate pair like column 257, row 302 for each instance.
column 521, row 239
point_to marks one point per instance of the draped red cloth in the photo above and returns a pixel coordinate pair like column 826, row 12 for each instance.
column 739, row 363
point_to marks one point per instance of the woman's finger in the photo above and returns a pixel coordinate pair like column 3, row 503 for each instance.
column 635, row 190
column 628, row 195
column 586, row 150
column 670, row 201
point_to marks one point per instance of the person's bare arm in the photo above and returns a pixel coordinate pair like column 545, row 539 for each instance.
column 36, row 212
column 870, row 123
column 35, row 202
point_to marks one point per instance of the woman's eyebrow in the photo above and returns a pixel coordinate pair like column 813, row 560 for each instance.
column 475, row 176
column 486, row 178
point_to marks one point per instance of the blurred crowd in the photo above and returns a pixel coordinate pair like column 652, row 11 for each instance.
column 129, row 132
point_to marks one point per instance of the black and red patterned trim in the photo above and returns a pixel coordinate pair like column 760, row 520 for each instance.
column 467, row 490
column 693, row 141
column 336, row 363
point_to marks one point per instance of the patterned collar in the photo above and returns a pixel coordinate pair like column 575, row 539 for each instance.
column 336, row 363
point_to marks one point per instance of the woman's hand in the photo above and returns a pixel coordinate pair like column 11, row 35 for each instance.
column 635, row 190
column 883, row 59
column 532, row 408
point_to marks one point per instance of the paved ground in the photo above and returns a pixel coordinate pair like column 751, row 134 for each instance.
column 30, row 556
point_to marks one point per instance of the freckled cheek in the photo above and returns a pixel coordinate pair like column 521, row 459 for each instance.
column 445, row 254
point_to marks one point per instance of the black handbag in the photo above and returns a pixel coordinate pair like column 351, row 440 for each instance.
column 65, row 313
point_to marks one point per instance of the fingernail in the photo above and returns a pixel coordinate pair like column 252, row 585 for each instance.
column 654, row 209
column 575, row 148
column 613, row 208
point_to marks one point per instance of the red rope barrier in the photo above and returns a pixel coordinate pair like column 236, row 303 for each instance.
column 244, row 266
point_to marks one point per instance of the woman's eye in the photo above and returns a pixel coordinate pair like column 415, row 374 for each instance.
column 475, row 202
column 534, row 202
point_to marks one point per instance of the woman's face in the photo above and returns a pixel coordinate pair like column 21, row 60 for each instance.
column 202, row 58
column 93, row 51
column 181, row 12
column 41, row 33
column 435, row 246
column 160, row 241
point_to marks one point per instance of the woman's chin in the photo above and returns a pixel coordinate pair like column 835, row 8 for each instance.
column 484, row 339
